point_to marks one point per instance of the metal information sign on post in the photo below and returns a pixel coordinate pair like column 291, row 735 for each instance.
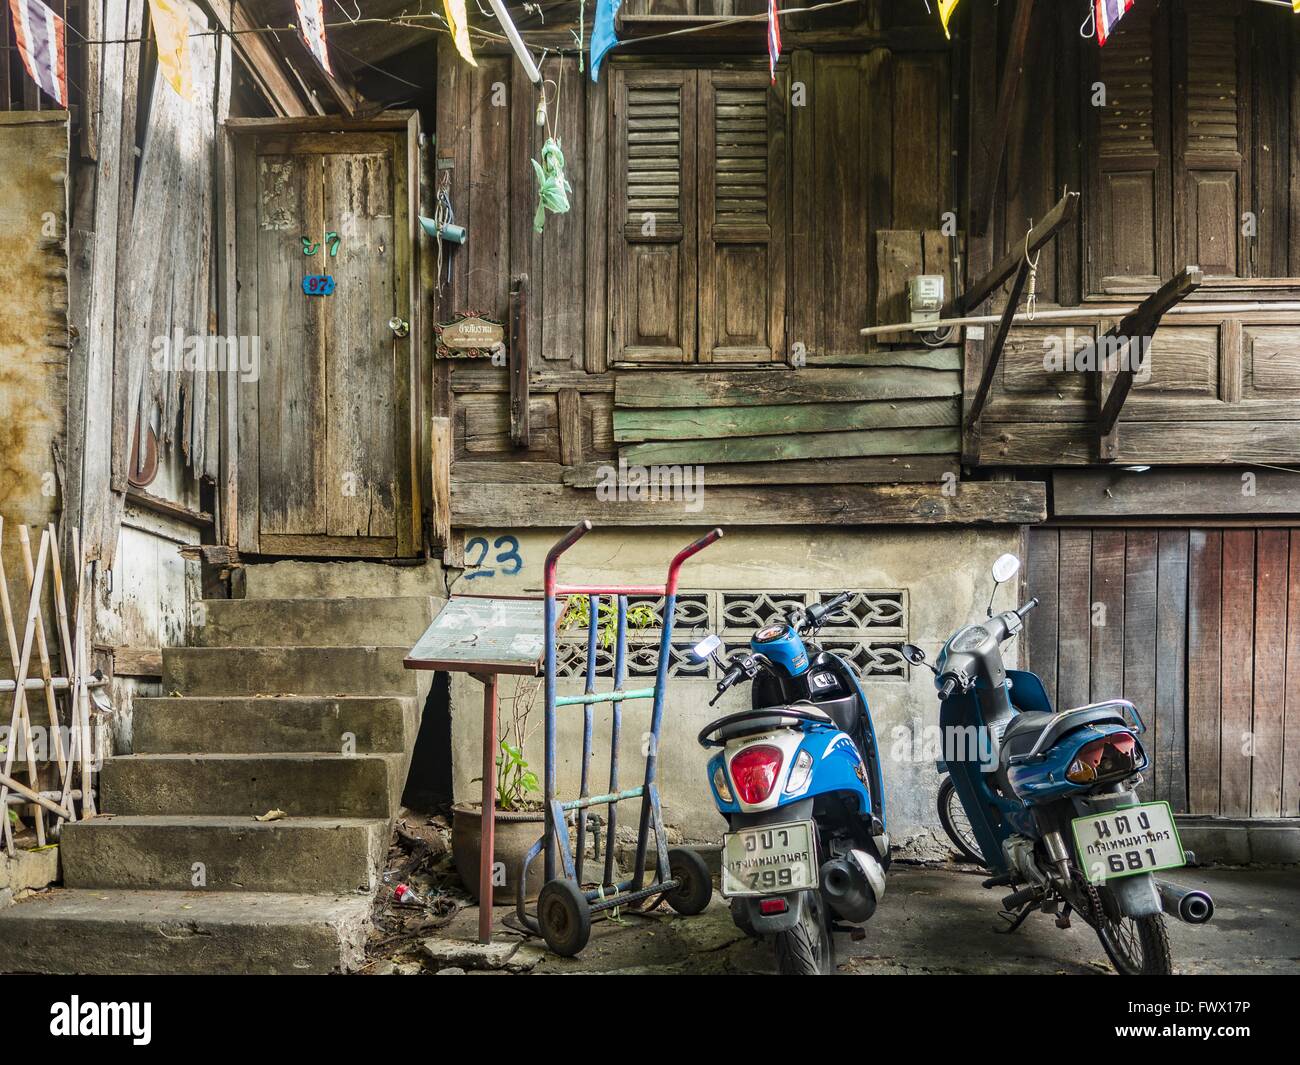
column 484, row 637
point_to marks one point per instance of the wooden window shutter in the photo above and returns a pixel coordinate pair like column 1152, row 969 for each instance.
column 1129, row 225
column 742, row 212
column 652, row 260
column 1211, row 134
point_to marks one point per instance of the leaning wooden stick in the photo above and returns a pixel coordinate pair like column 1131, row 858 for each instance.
column 83, row 669
column 32, row 796
column 70, row 671
column 43, row 654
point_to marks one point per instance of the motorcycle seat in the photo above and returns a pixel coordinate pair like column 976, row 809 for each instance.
column 1026, row 729
column 1023, row 732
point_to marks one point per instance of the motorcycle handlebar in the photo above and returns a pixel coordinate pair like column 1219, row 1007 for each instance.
column 949, row 686
column 1028, row 606
column 733, row 675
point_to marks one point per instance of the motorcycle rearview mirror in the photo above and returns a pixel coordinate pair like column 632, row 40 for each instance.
column 915, row 655
column 706, row 648
column 1006, row 567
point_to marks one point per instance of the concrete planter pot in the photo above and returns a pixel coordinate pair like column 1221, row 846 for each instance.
column 515, row 834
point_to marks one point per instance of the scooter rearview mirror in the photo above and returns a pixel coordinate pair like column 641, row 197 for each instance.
column 1006, row 567
column 913, row 653
column 706, row 648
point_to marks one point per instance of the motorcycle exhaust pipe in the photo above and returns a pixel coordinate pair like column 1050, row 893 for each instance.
column 853, row 885
column 1187, row 904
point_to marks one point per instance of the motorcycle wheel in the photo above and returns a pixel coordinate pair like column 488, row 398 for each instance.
column 1137, row 946
column 952, row 815
column 807, row 949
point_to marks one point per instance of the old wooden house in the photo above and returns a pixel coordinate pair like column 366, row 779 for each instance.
column 276, row 477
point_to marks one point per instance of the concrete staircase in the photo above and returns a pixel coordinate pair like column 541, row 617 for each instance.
column 295, row 704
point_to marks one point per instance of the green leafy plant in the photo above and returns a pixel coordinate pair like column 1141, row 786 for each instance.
column 516, row 782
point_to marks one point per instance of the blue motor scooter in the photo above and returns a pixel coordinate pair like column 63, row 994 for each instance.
column 797, row 776
column 1050, row 798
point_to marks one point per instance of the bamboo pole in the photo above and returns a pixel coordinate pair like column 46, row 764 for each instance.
column 34, row 796
column 43, row 653
column 69, row 667
column 83, row 663
column 19, row 715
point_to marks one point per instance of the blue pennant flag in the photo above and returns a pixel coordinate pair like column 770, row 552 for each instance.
column 603, row 37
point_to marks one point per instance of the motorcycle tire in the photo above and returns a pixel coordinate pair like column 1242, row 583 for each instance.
column 807, row 949
column 956, row 824
column 1137, row 946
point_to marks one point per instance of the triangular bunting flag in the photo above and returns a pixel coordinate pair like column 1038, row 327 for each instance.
column 459, row 26
column 1108, row 13
column 172, row 28
column 946, row 8
column 603, row 37
column 773, row 37
column 39, row 34
column 311, row 24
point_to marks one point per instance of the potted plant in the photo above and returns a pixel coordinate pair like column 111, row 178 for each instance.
column 519, row 816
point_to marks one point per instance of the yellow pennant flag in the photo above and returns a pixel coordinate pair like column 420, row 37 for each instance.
column 1295, row 6
column 171, row 25
column 459, row 26
column 946, row 8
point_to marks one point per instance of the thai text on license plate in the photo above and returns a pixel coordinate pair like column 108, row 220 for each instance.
column 769, row 860
column 1128, row 841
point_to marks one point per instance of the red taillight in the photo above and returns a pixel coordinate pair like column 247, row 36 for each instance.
column 768, row 907
column 1111, row 756
column 754, row 771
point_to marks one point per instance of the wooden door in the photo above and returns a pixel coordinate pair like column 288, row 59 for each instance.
column 1200, row 628
column 325, row 433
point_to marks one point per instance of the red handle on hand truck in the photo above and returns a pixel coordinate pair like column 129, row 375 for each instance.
column 675, row 566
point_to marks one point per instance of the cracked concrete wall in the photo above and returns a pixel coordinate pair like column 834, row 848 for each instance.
column 944, row 571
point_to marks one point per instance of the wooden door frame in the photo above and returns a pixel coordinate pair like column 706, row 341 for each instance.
column 239, row 494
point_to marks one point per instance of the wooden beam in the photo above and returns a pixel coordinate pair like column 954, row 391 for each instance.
column 994, row 355
column 517, row 352
column 265, row 69
column 1149, row 443
column 972, row 503
column 936, row 441
column 1192, row 491
column 441, row 446
column 883, row 469
column 1052, row 223
column 1140, row 325
column 1011, row 74
column 777, row 419
column 738, row 387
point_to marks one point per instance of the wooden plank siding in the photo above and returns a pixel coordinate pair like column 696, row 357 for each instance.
column 701, row 301
column 1190, row 158
column 1198, row 628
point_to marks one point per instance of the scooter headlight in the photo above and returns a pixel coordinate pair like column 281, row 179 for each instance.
column 720, row 785
column 799, row 773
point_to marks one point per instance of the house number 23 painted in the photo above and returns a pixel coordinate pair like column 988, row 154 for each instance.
column 506, row 557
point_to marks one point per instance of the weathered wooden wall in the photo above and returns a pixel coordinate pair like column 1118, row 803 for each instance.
column 1200, row 628
column 767, row 205
column 1190, row 159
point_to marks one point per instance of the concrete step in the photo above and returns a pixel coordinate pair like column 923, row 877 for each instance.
column 250, row 725
column 342, row 580
column 183, row 932
column 288, row 671
column 311, row 622
column 302, row 785
column 302, row 854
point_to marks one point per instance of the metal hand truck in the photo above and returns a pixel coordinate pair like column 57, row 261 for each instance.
column 565, row 905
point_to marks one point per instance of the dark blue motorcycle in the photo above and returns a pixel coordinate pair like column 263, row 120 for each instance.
column 797, row 776
column 1049, row 798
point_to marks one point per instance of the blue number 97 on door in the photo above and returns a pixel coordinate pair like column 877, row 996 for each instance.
column 318, row 284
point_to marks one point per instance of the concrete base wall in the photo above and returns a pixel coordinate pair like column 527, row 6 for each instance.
column 944, row 573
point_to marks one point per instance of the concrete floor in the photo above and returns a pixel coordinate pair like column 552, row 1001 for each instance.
column 939, row 920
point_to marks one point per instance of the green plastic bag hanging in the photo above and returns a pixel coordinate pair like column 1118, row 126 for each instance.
column 553, row 187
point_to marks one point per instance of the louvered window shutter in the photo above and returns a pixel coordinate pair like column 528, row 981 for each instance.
column 1130, row 242
column 652, row 225
column 742, row 212
column 1211, row 123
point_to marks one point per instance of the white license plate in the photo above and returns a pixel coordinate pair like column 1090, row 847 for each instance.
column 769, row 860
column 1125, row 842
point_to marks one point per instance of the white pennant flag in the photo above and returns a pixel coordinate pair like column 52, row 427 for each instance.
column 311, row 24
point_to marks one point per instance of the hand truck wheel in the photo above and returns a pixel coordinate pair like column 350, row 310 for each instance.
column 694, row 884
column 564, row 917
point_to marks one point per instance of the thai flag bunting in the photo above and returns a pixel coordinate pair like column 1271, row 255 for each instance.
column 603, row 37
column 311, row 24
column 773, row 37
column 39, row 34
column 1108, row 14
column 171, row 27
